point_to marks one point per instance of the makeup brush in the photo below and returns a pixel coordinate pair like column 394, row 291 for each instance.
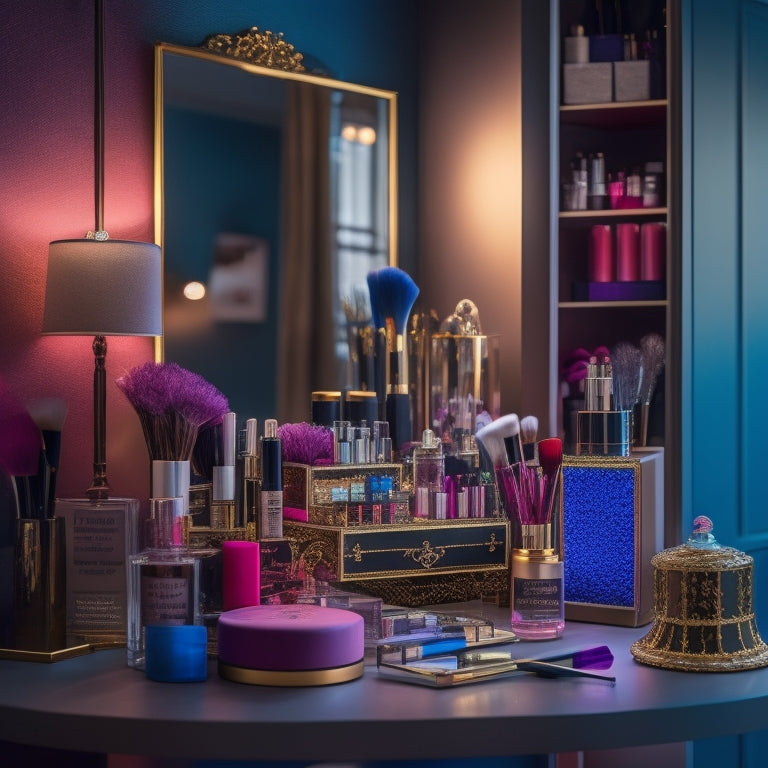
column 509, row 426
column 529, row 427
column 550, row 452
column 49, row 413
column 491, row 439
column 392, row 298
column 626, row 364
column 173, row 405
column 379, row 344
column 21, row 445
column 652, row 350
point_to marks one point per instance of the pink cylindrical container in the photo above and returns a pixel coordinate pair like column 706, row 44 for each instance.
column 627, row 252
column 601, row 254
column 240, row 574
column 653, row 251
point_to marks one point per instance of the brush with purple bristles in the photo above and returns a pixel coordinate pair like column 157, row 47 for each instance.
column 173, row 405
column 305, row 443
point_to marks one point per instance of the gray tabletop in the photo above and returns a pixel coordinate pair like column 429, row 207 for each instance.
column 96, row 703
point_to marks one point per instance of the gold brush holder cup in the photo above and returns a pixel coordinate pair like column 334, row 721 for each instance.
column 40, row 593
column 703, row 606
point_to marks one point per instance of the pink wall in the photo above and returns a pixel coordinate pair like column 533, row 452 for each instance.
column 47, row 190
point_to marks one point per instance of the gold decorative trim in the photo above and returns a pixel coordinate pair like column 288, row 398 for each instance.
column 426, row 555
column 291, row 677
column 265, row 49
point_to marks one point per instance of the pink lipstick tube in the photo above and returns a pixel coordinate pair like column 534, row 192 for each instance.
column 627, row 252
column 653, row 251
column 601, row 254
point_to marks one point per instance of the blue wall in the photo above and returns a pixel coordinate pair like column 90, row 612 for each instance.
column 200, row 152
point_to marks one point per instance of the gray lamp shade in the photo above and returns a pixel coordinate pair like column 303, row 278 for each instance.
column 103, row 288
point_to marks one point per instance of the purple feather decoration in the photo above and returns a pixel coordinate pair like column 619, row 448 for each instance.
column 173, row 405
column 304, row 443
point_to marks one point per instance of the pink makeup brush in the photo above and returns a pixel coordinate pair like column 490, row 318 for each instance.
column 20, row 447
column 550, row 452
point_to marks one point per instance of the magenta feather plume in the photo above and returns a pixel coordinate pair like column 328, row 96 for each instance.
column 173, row 405
column 304, row 443
column 20, row 438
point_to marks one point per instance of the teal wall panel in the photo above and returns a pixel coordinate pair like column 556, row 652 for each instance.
column 725, row 327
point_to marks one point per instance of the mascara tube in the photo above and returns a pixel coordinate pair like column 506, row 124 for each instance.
column 251, row 479
column 223, row 486
column 271, row 513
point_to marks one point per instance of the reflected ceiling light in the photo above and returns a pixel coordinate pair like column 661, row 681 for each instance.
column 349, row 132
column 366, row 135
column 362, row 134
column 194, row 290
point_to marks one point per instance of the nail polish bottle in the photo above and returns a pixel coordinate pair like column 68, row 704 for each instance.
column 428, row 474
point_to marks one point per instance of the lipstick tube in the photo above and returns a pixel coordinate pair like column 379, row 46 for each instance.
column 271, row 513
column 223, row 489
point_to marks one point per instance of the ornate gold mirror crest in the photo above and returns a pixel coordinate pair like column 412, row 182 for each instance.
column 264, row 49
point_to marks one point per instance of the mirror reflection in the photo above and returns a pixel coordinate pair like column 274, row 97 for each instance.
column 275, row 196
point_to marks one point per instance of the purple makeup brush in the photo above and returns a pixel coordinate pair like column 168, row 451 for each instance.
column 306, row 443
column 173, row 405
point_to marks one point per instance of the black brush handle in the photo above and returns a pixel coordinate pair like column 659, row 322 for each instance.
column 398, row 414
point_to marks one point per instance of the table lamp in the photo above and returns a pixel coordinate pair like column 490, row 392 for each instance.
column 100, row 287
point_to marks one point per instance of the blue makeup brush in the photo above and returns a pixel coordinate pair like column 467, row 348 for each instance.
column 379, row 343
column 392, row 295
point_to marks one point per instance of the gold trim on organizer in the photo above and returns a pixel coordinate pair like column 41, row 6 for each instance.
column 291, row 677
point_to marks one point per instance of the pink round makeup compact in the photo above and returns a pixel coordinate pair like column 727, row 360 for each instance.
column 290, row 645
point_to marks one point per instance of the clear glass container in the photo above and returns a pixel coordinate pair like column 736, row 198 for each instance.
column 164, row 581
column 428, row 474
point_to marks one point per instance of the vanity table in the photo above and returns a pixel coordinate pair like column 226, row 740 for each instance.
column 95, row 703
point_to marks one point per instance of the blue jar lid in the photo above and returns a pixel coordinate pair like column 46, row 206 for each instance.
column 176, row 653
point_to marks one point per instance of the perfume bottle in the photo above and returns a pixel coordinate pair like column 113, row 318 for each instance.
column 164, row 584
column 428, row 476
column 538, row 611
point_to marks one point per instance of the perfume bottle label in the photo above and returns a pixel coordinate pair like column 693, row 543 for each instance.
column 98, row 540
column 536, row 599
column 167, row 594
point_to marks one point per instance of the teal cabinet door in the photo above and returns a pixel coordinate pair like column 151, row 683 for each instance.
column 725, row 297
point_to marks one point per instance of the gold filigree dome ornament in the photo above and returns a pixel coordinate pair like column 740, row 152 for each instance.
column 704, row 619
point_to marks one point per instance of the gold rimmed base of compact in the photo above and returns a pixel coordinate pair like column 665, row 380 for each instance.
column 15, row 654
column 292, row 677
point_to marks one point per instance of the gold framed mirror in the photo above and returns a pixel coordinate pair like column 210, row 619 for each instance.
column 275, row 194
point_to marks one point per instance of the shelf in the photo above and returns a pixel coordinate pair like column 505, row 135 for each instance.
column 610, row 213
column 615, row 114
column 610, row 304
